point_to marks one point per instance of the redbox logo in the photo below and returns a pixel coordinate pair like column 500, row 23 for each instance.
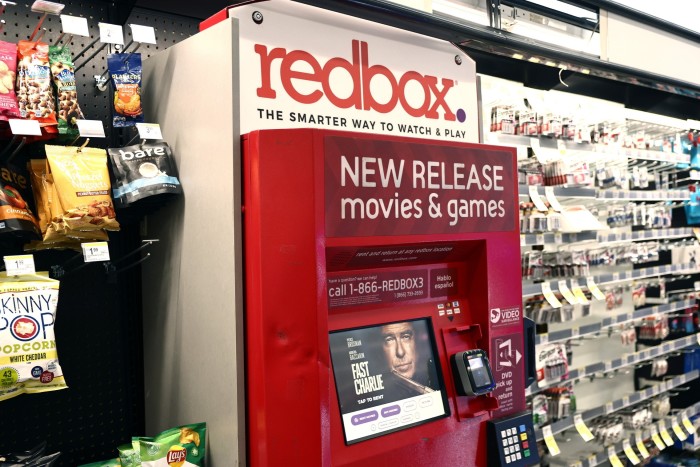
column 434, row 90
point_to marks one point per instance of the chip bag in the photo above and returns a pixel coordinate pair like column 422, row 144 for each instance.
column 28, row 355
column 8, row 70
column 81, row 179
column 127, row 456
column 144, row 170
column 34, row 94
column 15, row 216
column 63, row 73
column 178, row 447
column 107, row 463
column 125, row 70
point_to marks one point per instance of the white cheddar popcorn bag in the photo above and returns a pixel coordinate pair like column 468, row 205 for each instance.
column 28, row 355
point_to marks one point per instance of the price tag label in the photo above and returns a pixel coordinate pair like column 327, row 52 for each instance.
column 626, row 401
column 561, row 146
column 612, row 457
column 655, row 270
column 149, row 131
column 578, row 293
column 91, row 128
column 677, row 430
column 688, row 425
column 111, row 33
column 553, row 201
column 608, row 367
column 143, row 34
column 616, row 276
column 24, row 127
column 697, row 337
column 577, row 464
column 95, row 251
column 575, row 331
column 640, row 444
column 656, row 439
column 629, row 452
column 664, row 434
column 536, row 198
column 608, row 407
column 544, row 338
column 75, row 25
column 566, row 293
column 19, row 264
column 550, row 441
column 592, row 460
column 523, row 240
column 539, row 239
column 549, row 295
column 590, row 283
column 558, row 238
column 582, row 428
column 663, row 386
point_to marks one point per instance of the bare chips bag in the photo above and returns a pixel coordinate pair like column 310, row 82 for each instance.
column 144, row 170
column 16, row 218
column 8, row 70
column 82, row 182
column 178, row 447
column 28, row 355
column 34, row 83
column 125, row 70
column 63, row 74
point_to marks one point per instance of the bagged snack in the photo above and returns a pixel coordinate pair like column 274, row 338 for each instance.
column 63, row 74
column 28, row 356
column 127, row 456
column 178, row 447
column 22, row 457
column 125, row 70
column 107, row 463
column 144, row 170
column 8, row 68
column 82, row 181
column 46, row 461
column 34, row 94
column 15, row 216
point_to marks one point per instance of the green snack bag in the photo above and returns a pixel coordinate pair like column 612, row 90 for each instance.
column 136, row 447
column 107, row 463
column 183, row 446
column 63, row 75
column 127, row 455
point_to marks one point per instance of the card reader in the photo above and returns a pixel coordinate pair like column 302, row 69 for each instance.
column 472, row 372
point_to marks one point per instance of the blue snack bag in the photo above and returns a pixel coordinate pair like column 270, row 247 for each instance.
column 125, row 70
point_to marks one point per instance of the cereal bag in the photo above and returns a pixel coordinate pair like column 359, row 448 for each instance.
column 178, row 447
column 28, row 355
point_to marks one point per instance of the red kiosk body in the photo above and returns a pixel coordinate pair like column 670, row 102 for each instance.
column 366, row 250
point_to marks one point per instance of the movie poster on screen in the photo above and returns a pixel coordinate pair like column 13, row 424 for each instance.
column 386, row 378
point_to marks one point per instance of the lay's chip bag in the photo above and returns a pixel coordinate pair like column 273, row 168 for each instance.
column 107, row 463
column 177, row 447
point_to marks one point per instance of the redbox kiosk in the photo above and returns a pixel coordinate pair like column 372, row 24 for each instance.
column 383, row 306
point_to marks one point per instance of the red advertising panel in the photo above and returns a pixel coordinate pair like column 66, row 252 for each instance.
column 379, row 187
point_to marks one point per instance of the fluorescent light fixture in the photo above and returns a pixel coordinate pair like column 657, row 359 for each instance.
column 586, row 71
column 518, row 56
column 534, row 59
column 550, row 63
column 567, row 9
column 461, row 11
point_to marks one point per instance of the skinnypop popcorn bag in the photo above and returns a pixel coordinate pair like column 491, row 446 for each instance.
column 28, row 355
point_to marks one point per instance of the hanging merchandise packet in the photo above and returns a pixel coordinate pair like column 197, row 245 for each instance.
column 144, row 170
column 8, row 68
column 63, row 74
column 28, row 355
column 34, row 93
column 82, row 182
column 125, row 70
column 107, row 463
column 178, row 447
column 16, row 218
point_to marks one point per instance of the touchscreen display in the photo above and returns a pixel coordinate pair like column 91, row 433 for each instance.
column 387, row 378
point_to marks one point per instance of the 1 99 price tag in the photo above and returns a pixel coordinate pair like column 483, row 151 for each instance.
column 19, row 264
column 96, row 251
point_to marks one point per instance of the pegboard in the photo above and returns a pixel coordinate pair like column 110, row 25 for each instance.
column 99, row 320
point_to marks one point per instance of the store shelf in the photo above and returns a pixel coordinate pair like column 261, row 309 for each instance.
column 653, row 234
column 618, row 363
column 614, row 406
column 530, row 290
column 560, row 192
column 651, row 195
column 605, row 323
column 601, row 458
column 556, row 238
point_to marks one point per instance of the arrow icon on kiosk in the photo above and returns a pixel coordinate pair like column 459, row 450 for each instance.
column 505, row 354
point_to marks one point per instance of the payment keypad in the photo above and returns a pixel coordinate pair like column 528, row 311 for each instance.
column 511, row 437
